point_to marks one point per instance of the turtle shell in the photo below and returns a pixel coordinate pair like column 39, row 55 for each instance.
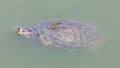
column 69, row 34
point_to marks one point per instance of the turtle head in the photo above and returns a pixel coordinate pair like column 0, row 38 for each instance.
column 26, row 32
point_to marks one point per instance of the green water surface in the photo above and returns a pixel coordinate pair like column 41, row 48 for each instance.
column 18, row 52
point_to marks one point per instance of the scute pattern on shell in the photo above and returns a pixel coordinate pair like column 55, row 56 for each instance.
column 69, row 34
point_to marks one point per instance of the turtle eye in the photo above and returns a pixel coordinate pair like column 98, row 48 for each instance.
column 23, row 30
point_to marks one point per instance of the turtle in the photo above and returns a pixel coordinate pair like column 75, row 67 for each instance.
column 64, row 34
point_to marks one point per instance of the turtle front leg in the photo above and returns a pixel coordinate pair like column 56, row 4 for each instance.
column 46, row 42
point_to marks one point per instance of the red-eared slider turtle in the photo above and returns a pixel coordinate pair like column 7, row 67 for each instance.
column 66, row 34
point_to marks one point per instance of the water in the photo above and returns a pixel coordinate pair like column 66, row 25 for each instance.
column 18, row 52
